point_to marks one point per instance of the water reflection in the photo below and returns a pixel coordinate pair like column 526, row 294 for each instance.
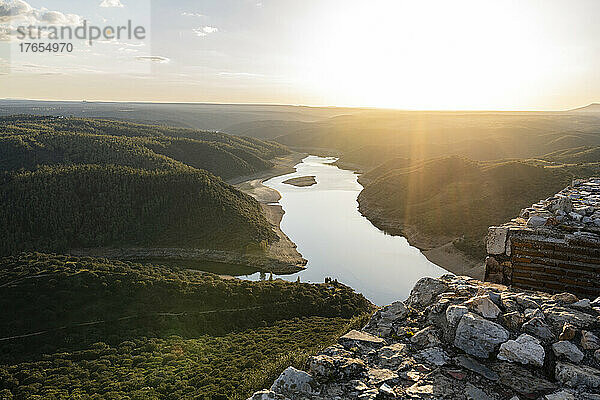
column 338, row 242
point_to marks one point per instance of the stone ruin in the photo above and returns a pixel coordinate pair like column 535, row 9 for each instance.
column 459, row 338
column 553, row 246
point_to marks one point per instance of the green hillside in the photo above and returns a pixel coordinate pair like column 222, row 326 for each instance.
column 455, row 197
column 28, row 141
column 58, row 208
column 121, row 330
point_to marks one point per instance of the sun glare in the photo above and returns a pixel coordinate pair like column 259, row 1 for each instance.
column 425, row 54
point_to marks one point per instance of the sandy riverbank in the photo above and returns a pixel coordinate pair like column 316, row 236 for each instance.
column 284, row 249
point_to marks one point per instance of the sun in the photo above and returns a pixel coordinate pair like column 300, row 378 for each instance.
column 424, row 54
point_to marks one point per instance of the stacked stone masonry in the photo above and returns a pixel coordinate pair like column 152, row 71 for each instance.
column 553, row 246
column 457, row 338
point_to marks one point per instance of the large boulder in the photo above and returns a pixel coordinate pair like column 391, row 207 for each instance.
column 327, row 368
column 293, row 381
column 425, row 292
column 565, row 350
column 382, row 322
column 526, row 350
column 479, row 337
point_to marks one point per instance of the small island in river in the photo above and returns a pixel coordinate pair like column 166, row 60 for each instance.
column 302, row 181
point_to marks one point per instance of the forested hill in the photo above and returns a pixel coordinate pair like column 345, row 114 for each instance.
column 91, row 328
column 29, row 141
column 69, row 183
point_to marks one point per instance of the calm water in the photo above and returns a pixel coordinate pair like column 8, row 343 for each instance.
column 338, row 242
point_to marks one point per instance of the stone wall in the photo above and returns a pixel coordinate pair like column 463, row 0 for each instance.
column 553, row 246
column 461, row 339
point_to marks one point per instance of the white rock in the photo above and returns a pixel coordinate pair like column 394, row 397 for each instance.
column 525, row 349
column 484, row 306
column 454, row 314
column 478, row 336
column 496, row 240
column 566, row 350
column 425, row 292
column 293, row 381
column 267, row 395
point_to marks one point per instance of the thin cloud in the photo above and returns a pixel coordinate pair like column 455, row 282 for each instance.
column 191, row 14
column 205, row 30
column 111, row 4
column 156, row 59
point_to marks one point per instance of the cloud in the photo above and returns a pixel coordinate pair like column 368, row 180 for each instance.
column 20, row 10
column 191, row 14
column 156, row 59
column 205, row 30
column 111, row 4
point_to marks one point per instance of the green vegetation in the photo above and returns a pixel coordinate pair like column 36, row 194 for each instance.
column 58, row 208
column 70, row 183
column 456, row 197
column 29, row 141
column 121, row 330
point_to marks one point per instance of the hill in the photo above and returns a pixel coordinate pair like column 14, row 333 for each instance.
column 591, row 108
column 435, row 201
column 82, row 327
column 86, row 186
column 26, row 141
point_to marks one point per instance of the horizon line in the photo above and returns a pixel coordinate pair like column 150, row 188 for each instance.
column 297, row 105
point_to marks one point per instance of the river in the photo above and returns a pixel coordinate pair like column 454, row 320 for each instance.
column 338, row 242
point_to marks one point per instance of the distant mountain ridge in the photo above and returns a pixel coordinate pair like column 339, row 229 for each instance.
column 590, row 108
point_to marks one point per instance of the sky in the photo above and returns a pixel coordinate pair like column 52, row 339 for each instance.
column 406, row 54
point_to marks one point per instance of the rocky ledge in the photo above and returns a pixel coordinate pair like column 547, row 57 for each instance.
column 459, row 338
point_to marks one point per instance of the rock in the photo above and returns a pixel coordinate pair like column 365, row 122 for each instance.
column 565, row 298
column 484, row 306
column 496, row 240
column 479, row 337
column 326, row 368
column 589, row 341
column 526, row 350
column 536, row 221
column 513, row 320
column 475, row 393
column 522, row 380
column 377, row 376
column 426, row 337
column 559, row 315
column 597, row 355
column 425, row 292
column 568, row 332
column 561, row 395
column 538, row 328
column 477, row 367
column 433, row 356
column 577, row 375
column 383, row 320
column 534, row 313
column 584, row 304
column 454, row 314
column 567, row 351
column 596, row 302
column 355, row 338
column 392, row 356
column 292, row 381
column 267, row 395
column 526, row 301
column 561, row 205
column 387, row 392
